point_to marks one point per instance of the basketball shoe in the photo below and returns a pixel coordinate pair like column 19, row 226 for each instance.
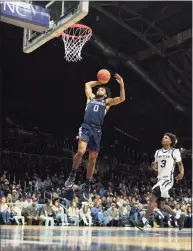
column 70, row 181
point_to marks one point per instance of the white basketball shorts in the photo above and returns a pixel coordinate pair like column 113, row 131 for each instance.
column 165, row 186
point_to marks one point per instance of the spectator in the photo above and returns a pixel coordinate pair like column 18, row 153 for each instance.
column 16, row 215
column 15, row 195
column 113, row 213
column 124, row 211
column 47, row 214
column 59, row 212
column 9, row 198
column 133, row 213
column 32, row 214
column 47, row 183
column 85, row 214
column 177, row 210
column 184, row 208
column 188, row 221
column 56, row 193
column 73, row 214
column 39, row 198
column 66, row 197
column 5, row 211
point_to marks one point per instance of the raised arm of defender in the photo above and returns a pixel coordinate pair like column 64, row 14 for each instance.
column 117, row 100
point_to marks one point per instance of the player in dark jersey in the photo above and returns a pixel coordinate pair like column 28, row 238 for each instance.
column 90, row 130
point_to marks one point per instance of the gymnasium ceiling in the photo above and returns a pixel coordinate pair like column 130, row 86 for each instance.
column 155, row 40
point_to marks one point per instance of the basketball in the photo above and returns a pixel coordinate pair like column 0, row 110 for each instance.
column 103, row 76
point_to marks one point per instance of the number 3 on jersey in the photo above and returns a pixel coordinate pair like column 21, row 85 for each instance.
column 96, row 108
column 163, row 163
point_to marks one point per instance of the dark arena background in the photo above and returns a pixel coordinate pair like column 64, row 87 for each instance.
column 43, row 102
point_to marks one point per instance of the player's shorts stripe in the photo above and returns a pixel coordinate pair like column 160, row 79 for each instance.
column 165, row 182
column 169, row 183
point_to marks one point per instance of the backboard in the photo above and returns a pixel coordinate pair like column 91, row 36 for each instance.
column 62, row 15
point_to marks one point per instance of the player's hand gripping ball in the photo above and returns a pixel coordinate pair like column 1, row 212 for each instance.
column 103, row 76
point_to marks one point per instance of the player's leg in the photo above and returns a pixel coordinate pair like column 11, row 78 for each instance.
column 82, row 145
column 93, row 148
column 163, row 207
column 80, row 153
column 91, row 165
column 150, row 208
column 89, row 176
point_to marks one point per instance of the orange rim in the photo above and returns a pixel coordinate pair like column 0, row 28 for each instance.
column 77, row 26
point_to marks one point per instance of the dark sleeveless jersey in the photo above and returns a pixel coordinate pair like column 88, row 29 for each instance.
column 95, row 112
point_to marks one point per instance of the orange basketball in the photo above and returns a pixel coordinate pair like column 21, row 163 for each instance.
column 103, row 76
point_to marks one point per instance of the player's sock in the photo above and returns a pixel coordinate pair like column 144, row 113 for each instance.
column 144, row 220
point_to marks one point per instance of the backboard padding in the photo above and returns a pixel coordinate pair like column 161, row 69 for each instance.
column 62, row 15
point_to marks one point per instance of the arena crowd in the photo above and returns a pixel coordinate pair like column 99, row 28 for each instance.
column 35, row 166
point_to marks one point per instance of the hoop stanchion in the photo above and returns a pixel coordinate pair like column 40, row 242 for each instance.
column 74, row 39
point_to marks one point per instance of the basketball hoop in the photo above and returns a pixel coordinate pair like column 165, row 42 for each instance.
column 74, row 39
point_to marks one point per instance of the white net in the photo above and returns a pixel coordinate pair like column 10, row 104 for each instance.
column 74, row 39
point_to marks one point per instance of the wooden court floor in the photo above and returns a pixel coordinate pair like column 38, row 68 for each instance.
column 93, row 238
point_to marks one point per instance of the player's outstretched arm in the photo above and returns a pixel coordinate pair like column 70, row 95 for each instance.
column 118, row 100
column 88, row 88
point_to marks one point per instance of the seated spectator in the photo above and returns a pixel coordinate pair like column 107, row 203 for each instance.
column 40, row 199
column 2, row 194
column 55, row 193
column 75, row 199
column 133, row 213
column 15, row 195
column 104, row 204
column 47, row 214
column 32, row 214
column 113, row 213
column 9, row 198
column 188, row 221
column 73, row 214
column 124, row 211
column 85, row 214
column 177, row 210
column 119, row 201
column 24, row 202
column 4, row 211
column 16, row 215
column 103, row 218
column 95, row 210
column 66, row 197
column 98, row 199
column 59, row 212
column 47, row 183
column 184, row 207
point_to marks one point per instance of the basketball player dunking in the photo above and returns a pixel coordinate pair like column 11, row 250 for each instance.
column 165, row 161
column 90, row 131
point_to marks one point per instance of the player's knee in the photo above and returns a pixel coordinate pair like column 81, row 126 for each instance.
column 160, row 206
column 92, row 158
column 81, row 152
column 152, row 199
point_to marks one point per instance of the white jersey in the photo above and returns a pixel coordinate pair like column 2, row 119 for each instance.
column 166, row 161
